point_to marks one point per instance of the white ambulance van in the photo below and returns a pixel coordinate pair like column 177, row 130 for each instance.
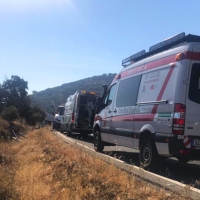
column 54, row 117
column 79, row 113
column 153, row 104
column 49, row 114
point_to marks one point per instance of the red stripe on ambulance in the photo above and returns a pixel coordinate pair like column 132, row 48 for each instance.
column 154, row 110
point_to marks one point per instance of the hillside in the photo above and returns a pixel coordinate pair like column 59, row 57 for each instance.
column 58, row 95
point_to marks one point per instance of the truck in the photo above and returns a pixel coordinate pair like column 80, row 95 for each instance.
column 79, row 113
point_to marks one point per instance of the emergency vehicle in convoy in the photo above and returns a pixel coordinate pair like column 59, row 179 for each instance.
column 54, row 117
column 57, row 117
column 79, row 113
column 49, row 114
column 153, row 104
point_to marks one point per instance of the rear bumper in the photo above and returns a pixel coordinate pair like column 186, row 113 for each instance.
column 84, row 130
column 178, row 149
column 175, row 147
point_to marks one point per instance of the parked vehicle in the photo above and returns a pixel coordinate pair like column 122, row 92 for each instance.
column 49, row 114
column 153, row 104
column 56, row 124
column 54, row 117
column 79, row 113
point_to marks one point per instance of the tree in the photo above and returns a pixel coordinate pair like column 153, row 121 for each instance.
column 13, row 95
column 2, row 98
column 15, row 92
column 35, row 116
column 34, row 92
column 10, row 113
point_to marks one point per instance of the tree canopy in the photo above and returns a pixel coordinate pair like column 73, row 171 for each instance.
column 15, row 91
column 15, row 102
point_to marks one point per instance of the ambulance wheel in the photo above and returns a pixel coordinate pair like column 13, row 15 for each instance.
column 148, row 155
column 52, row 126
column 98, row 143
column 61, row 130
column 68, row 131
column 183, row 159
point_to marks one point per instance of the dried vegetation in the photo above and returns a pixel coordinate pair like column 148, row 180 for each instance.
column 44, row 167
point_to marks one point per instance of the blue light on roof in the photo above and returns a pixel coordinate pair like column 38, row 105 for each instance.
column 167, row 41
column 161, row 46
column 132, row 58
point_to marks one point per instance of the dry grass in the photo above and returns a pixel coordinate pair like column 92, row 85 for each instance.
column 3, row 128
column 44, row 167
column 17, row 126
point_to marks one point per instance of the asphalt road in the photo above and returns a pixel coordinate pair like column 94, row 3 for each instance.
column 188, row 173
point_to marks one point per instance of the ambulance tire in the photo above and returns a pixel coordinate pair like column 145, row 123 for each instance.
column 52, row 125
column 55, row 126
column 98, row 143
column 68, row 131
column 148, row 156
column 61, row 130
column 183, row 160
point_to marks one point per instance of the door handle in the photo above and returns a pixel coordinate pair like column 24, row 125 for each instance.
column 115, row 111
column 109, row 111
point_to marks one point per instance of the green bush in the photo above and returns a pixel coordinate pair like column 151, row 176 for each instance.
column 36, row 117
column 10, row 113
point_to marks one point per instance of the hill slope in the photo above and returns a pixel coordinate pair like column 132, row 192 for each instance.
column 58, row 95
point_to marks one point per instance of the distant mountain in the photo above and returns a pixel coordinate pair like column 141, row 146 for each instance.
column 58, row 95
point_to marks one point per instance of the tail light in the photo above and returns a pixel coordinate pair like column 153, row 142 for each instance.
column 179, row 119
column 72, row 120
column 186, row 152
column 96, row 118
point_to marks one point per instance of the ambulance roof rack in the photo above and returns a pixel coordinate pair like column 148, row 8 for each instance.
column 161, row 46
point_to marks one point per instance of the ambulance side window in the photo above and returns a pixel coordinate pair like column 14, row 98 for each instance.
column 194, row 87
column 128, row 91
column 110, row 96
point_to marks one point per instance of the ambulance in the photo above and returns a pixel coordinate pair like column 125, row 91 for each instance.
column 153, row 104
column 54, row 117
column 79, row 113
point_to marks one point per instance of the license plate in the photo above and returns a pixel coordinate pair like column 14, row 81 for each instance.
column 195, row 143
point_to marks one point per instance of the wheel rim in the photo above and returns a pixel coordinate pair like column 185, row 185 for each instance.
column 147, row 154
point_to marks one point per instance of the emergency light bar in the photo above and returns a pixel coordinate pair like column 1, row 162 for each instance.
column 86, row 92
column 167, row 41
column 162, row 46
column 131, row 59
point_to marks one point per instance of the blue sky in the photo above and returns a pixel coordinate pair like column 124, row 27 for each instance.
column 52, row 42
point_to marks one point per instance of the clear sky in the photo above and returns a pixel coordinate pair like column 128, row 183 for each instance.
column 52, row 42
